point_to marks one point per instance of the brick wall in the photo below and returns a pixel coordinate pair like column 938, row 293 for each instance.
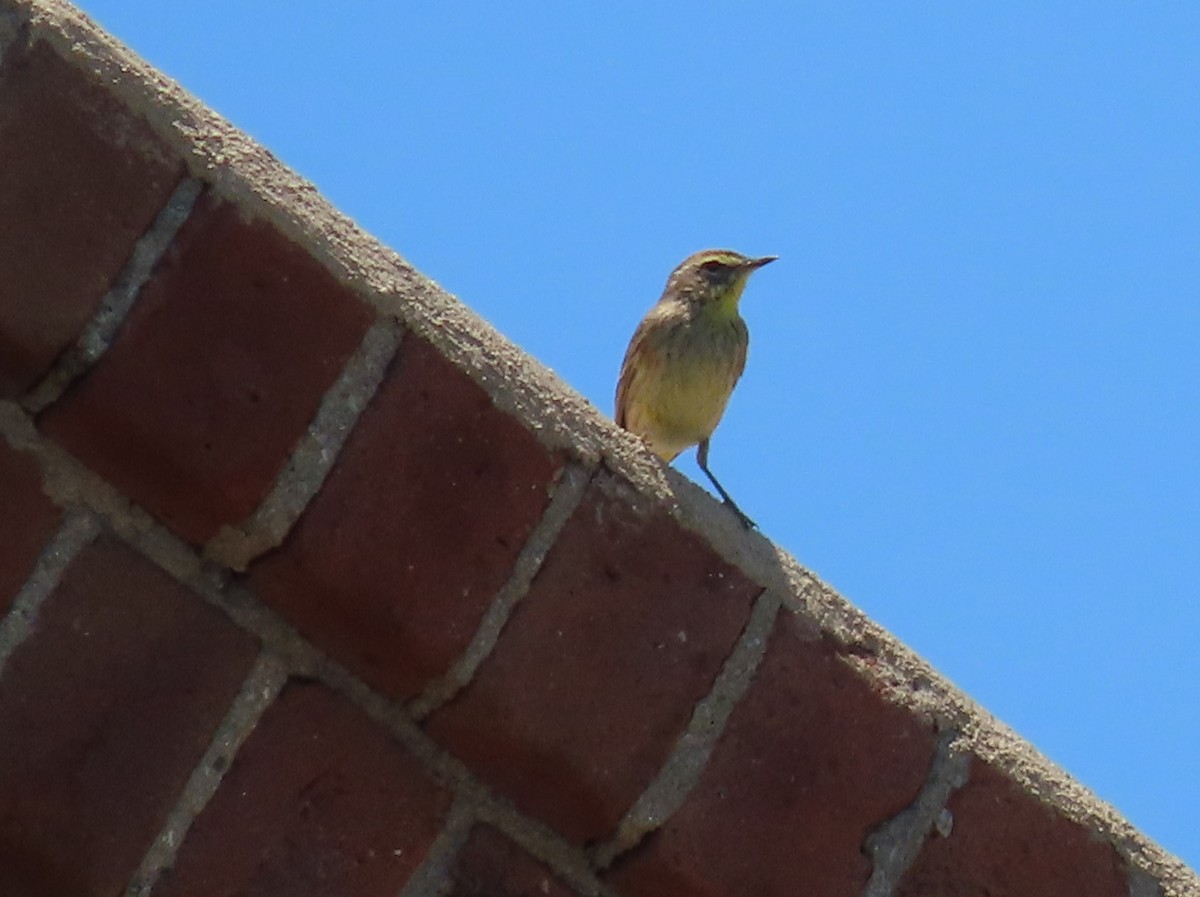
column 311, row 584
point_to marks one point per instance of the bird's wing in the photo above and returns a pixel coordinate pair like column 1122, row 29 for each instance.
column 743, row 347
column 628, row 373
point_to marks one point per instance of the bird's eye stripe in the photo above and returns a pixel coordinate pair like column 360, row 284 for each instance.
column 721, row 261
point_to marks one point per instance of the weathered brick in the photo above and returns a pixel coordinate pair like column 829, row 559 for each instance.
column 1006, row 843
column 215, row 374
column 491, row 865
column 598, row 670
column 81, row 178
column 27, row 520
column 104, row 712
column 318, row 802
column 393, row 564
column 812, row 760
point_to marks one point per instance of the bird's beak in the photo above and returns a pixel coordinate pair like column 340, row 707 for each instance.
column 755, row 264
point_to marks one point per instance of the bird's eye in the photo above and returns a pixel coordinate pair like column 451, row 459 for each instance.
column 715, row 270
column 712, row 266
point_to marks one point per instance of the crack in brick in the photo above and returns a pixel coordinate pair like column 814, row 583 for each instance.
column 100, row 332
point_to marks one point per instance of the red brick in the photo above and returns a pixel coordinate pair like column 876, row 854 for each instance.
column 812, row 760
column 27, row 522
column 393, row 564
column 490, row 865
column 104, row 712
column 317, row 802
column 216, row 373
column 81, row 178
column 1006, row 843
column 598, row 671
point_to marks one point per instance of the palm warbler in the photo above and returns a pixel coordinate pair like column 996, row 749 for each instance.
column 685, row 358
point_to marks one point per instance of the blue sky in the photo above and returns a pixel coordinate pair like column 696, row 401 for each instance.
column 973, row 396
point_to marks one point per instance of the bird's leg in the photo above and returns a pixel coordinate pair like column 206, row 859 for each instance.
column 702, row 460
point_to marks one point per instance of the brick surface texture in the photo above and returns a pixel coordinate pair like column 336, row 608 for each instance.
column 318, row 803
column 477, row 641
column 622, row 631
column 811, row 762
column 104, row 712
column 244, row 333
column 81, row 179
column 1004, row 843
column 416, row 529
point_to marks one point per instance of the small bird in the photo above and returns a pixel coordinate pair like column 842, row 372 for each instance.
column 685, row 358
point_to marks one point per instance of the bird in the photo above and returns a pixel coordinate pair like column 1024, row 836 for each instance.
column 685, row 358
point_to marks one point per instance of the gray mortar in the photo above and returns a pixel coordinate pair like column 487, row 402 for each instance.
column 68, row 482
column 260, row 688
column 313, row 455
column 674, row 782
column 567, row 493
column 894, row 845
column 542, row 842
column 243, row 172
column 1142, row 884
column 432, row 876
column 99, row 333
column 77, row 530
column 303, row 659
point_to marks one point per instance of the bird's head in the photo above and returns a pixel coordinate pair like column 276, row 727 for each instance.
column 713, row 277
